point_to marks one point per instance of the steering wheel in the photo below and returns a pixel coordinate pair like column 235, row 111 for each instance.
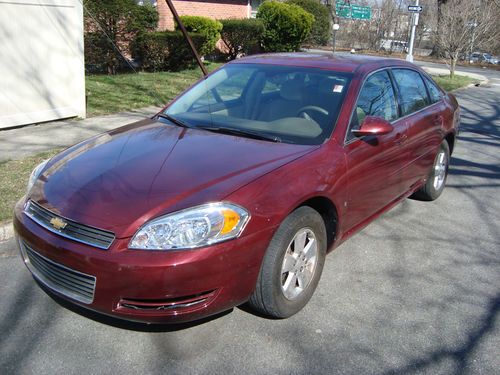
column 303, row 111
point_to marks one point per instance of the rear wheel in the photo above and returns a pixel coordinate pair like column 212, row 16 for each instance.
column 436, row 181
column 292, row 265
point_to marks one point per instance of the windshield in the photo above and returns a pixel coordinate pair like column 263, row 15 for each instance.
column 289, row 104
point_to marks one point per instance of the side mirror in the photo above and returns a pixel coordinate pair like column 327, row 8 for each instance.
column 372, row 125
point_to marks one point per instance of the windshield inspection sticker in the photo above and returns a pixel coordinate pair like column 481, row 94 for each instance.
column 338, row 88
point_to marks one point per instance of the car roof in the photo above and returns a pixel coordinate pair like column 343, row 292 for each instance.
column 340, row 63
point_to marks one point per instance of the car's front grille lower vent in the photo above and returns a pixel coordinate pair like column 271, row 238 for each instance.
column 68, row 228
column 64, row 280
column 201, row 299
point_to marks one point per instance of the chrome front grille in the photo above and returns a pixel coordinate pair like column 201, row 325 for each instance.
column 67, row 281
column 68, row 228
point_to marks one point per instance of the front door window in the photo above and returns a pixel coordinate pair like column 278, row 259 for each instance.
column 376, row 98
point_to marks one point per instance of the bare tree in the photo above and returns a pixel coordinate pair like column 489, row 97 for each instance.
column 389, row 21
column 371, row 33
column 426, row 24
column 463, row 22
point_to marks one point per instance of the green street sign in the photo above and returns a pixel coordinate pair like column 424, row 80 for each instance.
column 361, row 12
column 356, row 12
column 343, row 11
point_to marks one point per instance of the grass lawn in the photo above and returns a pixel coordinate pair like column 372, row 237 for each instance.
column 14, row 176
column 122, row 92
column 449, row 84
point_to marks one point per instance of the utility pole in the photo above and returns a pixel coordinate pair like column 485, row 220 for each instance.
column 409, row 56
column 473, row 25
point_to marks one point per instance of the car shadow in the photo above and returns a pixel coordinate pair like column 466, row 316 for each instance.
column 245, row 307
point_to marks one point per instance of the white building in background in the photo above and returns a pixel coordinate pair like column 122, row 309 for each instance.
column 42, row 74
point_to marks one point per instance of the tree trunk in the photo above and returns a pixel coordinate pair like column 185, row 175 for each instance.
column 453, row 65
column 436, row 51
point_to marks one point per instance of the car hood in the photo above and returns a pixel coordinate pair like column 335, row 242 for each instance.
column 118, row 180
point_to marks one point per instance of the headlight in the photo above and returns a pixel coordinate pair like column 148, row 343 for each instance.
column 195, row 227
column 35, row 174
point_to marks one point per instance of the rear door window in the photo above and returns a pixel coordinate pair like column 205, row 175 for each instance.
column 412, row 90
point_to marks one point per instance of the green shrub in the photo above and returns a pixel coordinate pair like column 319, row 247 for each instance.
column 286, row 26
column 100, row 56
column 166, row 50
column 242, row 36
column 320, row 33
column 208, row 27
column 114, row 23
column 145, row 19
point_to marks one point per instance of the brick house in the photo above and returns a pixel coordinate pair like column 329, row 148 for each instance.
column 217, row 9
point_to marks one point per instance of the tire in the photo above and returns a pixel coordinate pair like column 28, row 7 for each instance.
column 436, row 181
column 284, row 288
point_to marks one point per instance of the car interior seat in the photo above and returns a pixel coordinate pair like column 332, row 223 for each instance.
column 286, row 105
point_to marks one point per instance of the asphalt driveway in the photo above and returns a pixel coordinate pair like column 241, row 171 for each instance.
column 417, row 291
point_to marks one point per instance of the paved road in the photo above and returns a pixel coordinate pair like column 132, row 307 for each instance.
column 488, row 73
column 415, row 292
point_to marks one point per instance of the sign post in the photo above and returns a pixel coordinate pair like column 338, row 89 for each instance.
column 335, row 28
column 416, row 9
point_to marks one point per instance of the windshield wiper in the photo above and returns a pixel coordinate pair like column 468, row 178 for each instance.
column 241, row 132
column 174, row 120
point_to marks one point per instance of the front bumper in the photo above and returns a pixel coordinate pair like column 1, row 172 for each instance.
column 141, row 285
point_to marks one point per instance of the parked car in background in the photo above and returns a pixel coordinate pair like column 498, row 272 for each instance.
column 393, row 45
column 480, row 57
column 238, row 189
column 490, row 59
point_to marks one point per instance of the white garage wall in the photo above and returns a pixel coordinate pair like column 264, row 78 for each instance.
column 42, row 74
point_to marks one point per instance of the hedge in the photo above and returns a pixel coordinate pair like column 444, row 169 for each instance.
column 208, row 27
column 100, row 56
column 120, row 21
column 242, row 36
column 166, row 50
column 320, row 33
column 286, row 26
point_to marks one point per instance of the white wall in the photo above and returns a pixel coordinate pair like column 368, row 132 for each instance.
column 42, row 75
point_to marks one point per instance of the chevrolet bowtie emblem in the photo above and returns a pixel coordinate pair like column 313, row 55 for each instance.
column 58, row 223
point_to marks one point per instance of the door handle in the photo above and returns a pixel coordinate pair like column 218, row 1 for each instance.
column 438, row 120
column 400, row 139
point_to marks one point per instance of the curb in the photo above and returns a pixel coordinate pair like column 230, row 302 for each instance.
column 6, row 232
column 446, row 71
column 483, row 82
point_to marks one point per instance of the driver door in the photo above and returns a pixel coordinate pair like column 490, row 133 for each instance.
column 374, row 163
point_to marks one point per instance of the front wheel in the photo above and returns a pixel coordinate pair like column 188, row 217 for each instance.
column 292, row 265
column 436, row 181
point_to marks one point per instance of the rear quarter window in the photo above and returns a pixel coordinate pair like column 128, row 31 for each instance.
column 435, row 93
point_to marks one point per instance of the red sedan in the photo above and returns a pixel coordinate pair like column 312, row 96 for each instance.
column 238, row 189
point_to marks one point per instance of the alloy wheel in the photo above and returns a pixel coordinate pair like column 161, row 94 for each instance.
column 299, row 263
